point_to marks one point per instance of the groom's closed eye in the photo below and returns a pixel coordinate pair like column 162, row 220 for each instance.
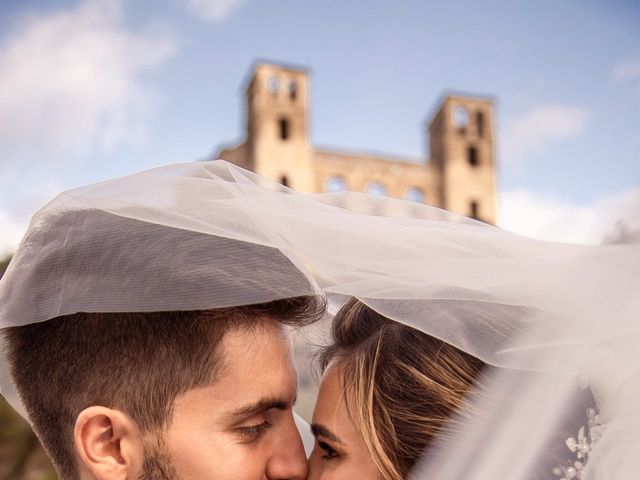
column 252, row 420
column 253, row 432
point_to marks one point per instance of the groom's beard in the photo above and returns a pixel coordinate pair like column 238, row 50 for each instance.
column 157, row 465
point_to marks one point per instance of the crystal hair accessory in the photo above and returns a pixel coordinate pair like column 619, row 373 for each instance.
column 581, row 447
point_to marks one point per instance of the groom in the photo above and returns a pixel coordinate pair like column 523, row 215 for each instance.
column 160, row 395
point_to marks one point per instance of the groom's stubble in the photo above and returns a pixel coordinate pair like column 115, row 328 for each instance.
column 157, row 464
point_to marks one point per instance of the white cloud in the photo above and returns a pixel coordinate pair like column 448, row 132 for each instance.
column 628, row 72
column 536, row 129
column 614, row 218
column 214, row 10
column 74, row 80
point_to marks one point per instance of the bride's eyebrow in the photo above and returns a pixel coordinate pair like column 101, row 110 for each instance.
column 321, row 431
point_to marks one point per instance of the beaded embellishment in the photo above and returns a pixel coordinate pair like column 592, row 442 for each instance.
column 581, row 447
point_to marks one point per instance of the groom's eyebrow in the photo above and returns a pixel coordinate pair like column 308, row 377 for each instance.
column 260, row 406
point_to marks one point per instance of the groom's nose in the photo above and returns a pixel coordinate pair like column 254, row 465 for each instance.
column 288, row 460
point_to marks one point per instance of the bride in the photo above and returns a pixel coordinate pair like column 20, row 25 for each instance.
column 390, row 393
column 387, row 393
column 471, row 352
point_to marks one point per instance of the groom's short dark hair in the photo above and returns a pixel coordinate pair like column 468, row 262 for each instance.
column 134, row 362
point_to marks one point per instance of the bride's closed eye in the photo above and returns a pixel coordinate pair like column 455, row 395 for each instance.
column 323, row 436
column 329, row 451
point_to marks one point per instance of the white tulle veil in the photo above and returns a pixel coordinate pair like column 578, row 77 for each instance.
column 553, row 319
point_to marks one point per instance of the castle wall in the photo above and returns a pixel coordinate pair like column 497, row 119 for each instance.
column 359, row 171
column 277, row 146
column 237, row 155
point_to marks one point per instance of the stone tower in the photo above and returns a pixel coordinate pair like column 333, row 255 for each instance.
column 459, row 174
column 277, row 125
column 461, row 140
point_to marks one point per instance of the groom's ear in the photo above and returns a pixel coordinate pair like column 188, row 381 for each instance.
column 108, row 444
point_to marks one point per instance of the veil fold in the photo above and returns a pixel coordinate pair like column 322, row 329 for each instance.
column 547, row 316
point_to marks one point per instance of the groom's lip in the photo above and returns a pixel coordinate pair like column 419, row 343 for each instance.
column 322, row 431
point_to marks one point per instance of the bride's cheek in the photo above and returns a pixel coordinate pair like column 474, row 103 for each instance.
column 315, row 465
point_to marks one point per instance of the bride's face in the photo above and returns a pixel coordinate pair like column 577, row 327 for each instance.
column 339, row 451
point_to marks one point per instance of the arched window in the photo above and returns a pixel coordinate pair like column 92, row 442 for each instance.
column 460, row 117
column 283, row 126
column 472, row 156
column 284, row 180
column 273, row 84
column 480, row 123
column 335, row 184
column 473, row 209
column 376, row 189
column 293, row 90
column 414, row 194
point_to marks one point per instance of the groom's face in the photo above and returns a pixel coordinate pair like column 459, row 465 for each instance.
column 242, row 426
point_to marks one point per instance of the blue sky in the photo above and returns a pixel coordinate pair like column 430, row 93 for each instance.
column 92, row 89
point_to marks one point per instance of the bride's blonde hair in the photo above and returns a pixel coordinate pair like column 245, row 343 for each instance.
column 401, row 385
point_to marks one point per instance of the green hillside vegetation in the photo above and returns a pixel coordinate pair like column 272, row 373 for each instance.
column 3, row 265
column 21, row 456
